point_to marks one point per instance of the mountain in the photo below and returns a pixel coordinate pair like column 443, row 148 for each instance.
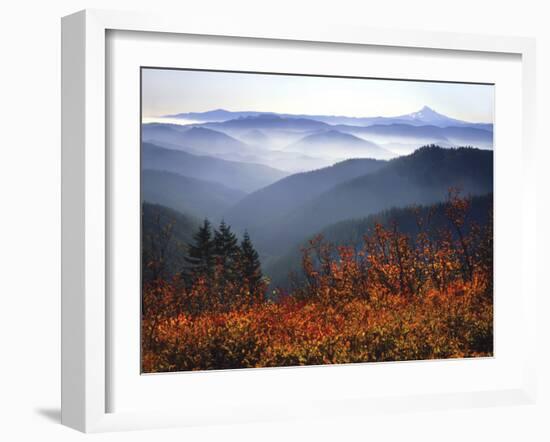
column 295, row 143
column 469, row 136
column 415, row 136
column 255, row 137
column 398, row 132
column 216, row 115
column 427, row 116
column 423, row 177
column 286, row 162
column 351, row 232
column 221, row 143
column 220, row 115
column 422, row 117
column 163, row 132
column 271, row 204
column 208, row 140
column 198, row 139
column 192, row 196
column 335, row 144
column 269, row 121
column 247, row 177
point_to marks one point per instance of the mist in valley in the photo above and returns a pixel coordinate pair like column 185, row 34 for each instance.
column 284, row 179
column 304, row 220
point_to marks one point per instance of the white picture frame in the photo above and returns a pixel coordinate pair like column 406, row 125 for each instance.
column 86, row 204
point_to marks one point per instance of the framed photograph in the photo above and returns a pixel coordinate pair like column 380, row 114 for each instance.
column 267, row 223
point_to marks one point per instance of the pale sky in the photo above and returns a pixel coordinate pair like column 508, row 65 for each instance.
column 166, row 91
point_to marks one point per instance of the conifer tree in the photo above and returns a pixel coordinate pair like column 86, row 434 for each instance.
column 201, row 254
column 250, row 262
column 227, row 257
column 226, row 249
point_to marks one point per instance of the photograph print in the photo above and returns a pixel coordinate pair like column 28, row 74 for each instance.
column 292, row 220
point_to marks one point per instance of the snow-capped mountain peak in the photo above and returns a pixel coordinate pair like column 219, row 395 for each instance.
column 425, row 112
column 426, row 115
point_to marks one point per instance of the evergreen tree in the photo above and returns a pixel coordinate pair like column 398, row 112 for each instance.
column 201, row 254
column 226, row 249
column 250, row 262
column 227, row 256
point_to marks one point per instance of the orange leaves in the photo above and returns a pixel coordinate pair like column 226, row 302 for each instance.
column 398, row 298
column 457, row 207
column 438, row 325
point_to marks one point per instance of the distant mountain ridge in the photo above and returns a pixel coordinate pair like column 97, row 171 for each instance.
column 339, row 145
column 295, row 143
column 198, row 138
column 427, row 134
column 424, row 116
column 428, row 116
column 247, row 177
column 269, row 121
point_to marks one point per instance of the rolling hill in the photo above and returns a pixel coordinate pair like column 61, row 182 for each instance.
column 244, row 176
column 198, row 139
column 418, row 135
column 220, row 143
column 191, row 196
column 272, row 203
column 338, row 145
column 162, row 132
column 256, row 137
column 423, row 177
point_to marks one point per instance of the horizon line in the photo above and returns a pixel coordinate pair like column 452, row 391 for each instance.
column 174, row 115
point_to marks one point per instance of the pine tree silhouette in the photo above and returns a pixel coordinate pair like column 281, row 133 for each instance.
column 226, row 249
column 227, row 257
column 251, row 267
column 200, row 256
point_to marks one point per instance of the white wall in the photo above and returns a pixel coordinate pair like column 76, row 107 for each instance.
column 30, row 220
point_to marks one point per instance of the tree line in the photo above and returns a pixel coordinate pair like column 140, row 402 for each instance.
column 215, row 270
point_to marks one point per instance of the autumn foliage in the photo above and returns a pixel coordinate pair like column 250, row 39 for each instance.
column 397, row 297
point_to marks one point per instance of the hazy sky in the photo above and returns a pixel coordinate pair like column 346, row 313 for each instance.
column 173, row 91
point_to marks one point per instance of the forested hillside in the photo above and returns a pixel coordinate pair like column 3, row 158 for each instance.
column 423, row 177
column 271, row 204
column 192, row 196
column 408, row 220
column 280, row 239
column 397, row 297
